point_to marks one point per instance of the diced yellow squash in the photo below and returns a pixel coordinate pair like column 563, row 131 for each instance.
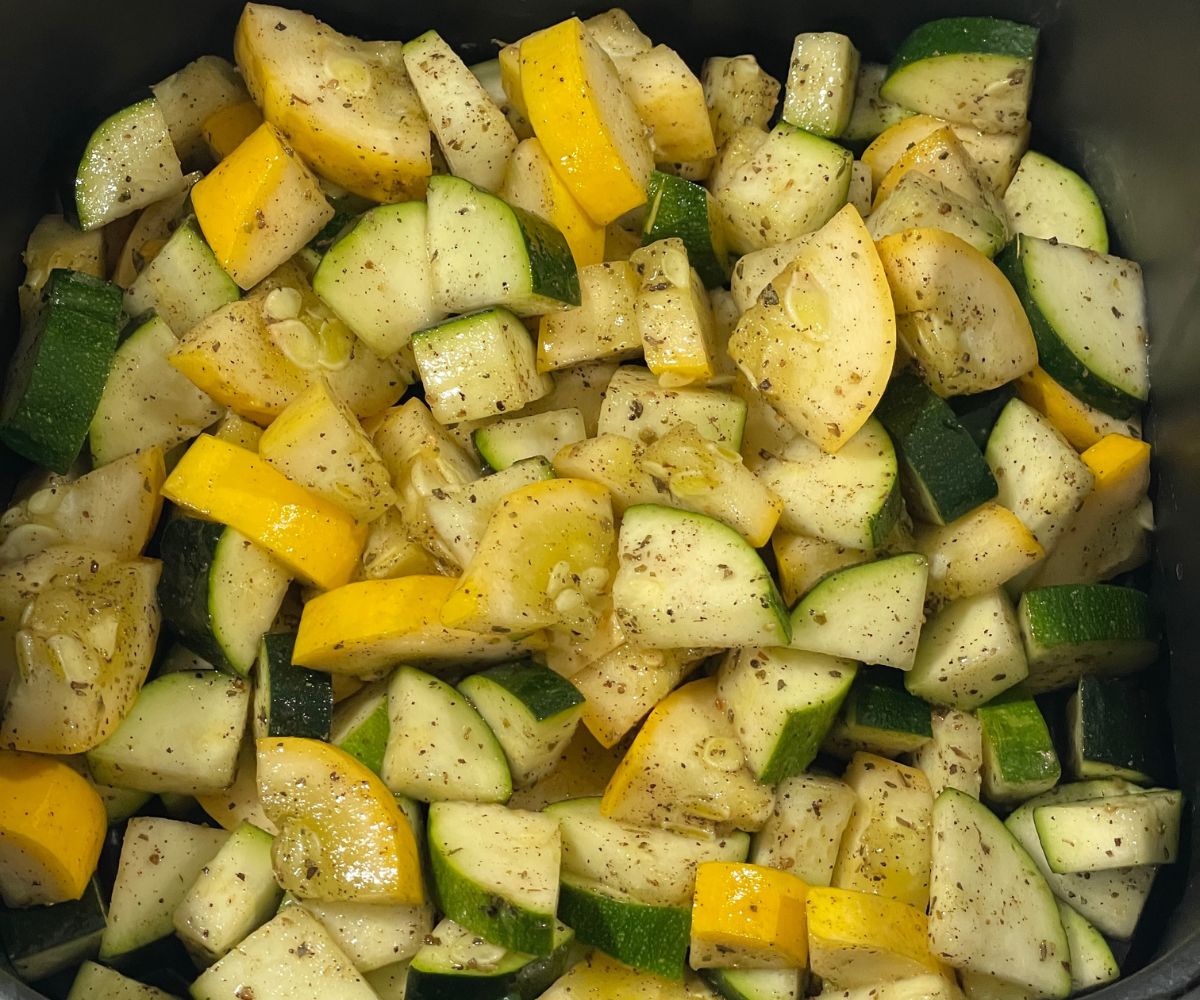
column 318, row 541
column 802, row 561
column 739, row 93
column 886, row 848
column 624, row 684
column 365, row 627
column 820, row 347
column 239, row 803
column 84, row 646
column 509, row 58
column 708, row 478
column 585, row 120
column 599, row 977
column 259, row 206
column 347, row 105
column 237, row 430
column 748, row 916
column 674, row 317
column 652, row 787
column 1082, row 425
column 613, row 461
column 53, row 243
column 861, row 939
column 318, row 442
column 670, row 101
column 341, row 833
column 618, row 34
column 228, row 128
column 982, row 550
column 52, row 826
column 531, row 183
column 602, row 327
column 546, row 557
column 1105, row 536
column 957, row 316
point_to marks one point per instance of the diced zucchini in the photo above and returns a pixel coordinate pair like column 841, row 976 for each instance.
column 970, row 652
column 496, row 872
column 486, row 253
column 686, row 211
column 1123, row 831
column 941, row 156
column 361, row 724
column 377, row 277
column 1094, row 628
column 850, row 497
column 871, row 114
column 1050, row 201
column 290, row 958
column 1088, row 313
column 372, row 935
column 541, row 435
column 804, row 832
column 783, row 702
column 820, row 83
column 60, row 366
column 1041, row 478
column 979, row 412
column 1019, row 759
column 289, row 700
column 791, row 185
column 531, row 710
column 182, row 735
column 56, row 244
column 603, row 326
column 1092, row 961
column 999, row 917
column 438, row 746
column 98, row 982
column 129, row 163
column 945, row 473
column 650, row 788
column 739, row 94
column 637, row 407
column 973, row 70
column 42, row 940
column 456, row 962
column 183, row 283
column 146, row 403
column 160, row 861
column 871, row 612
column 886, row 847
column 478, row 365
column 687, row 579
column 881, row 717
column 756, row 984
column 191, row 96
column 234, row 894
column 954, row 757
column 1116, row 729
column 1112, row 900
column 650, row 865
column 471, row 130
column 219, row 591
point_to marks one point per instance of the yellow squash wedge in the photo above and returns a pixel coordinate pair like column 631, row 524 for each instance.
column 346, row 105
column 585, row 120
column 956, row 314
column 546, row 558
column 820, row 342
column 978, row 552
column 341, row 834
column 363, row 628
column 228, row 128
column 860, row 939
column 259, row 206
column 748, row 916
column 1080, row 424
column 219, row 481
column 52, row 826
column 652, row 787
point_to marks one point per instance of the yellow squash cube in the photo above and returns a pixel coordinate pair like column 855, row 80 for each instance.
column 748, row 917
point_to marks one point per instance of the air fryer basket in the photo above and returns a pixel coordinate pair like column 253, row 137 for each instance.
column 1117, row 88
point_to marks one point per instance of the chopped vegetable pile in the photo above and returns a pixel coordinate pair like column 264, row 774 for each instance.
column 567, row 527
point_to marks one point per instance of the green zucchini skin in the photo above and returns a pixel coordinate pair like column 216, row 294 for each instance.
column 290, row 700
column 188, row 548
